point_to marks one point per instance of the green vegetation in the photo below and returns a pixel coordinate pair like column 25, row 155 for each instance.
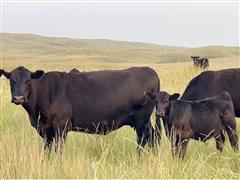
column 114, row 155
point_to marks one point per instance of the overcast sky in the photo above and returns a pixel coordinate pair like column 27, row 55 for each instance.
column 179, row 24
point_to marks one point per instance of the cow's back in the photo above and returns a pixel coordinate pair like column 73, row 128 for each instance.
column 211, row 83
column 202, row 115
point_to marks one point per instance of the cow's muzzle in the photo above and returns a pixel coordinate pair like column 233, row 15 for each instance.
column 159, row 114
column 17, row 100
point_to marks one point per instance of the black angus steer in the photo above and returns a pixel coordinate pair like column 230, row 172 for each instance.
column 201, row 62
column 92, row 102
column 211, row 83
column 199, row 120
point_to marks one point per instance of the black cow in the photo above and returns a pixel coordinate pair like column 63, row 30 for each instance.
column 92, row 102
column 201, row 62
column 74, row 70
column 199, row 120
column 211, row 83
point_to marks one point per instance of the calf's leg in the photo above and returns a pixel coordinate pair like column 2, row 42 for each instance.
column 174, row 141
column 230, row 124
column 61, row 127
column 182, row 147
column 158, row 130
column 232, row 135
column 179, row 140
column 220, row 139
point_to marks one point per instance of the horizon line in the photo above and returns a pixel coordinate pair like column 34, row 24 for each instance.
column 117, row 40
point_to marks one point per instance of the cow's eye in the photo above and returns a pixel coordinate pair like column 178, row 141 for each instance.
column 27, row 82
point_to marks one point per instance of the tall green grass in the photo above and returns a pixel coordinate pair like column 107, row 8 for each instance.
column 114, row 155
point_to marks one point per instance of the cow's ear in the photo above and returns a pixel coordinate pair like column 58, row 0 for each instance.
column 6, row 74
column 37, row 74
column 150, row 95
column 192, row 57
column 175, row 96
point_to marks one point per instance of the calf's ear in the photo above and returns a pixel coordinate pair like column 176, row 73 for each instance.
column 149, row 95
column 37, row 74
column 174, row 96
column 6, row 74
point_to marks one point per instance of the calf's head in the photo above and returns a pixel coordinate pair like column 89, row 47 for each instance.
column 195, row 57
column 20, row 83
column 162, row 101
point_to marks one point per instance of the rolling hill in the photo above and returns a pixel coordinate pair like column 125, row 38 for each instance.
column 30, row 47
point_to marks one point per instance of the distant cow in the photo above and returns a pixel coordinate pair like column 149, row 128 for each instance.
column 201, row 62
column 91, row 102
column 74, row 70
column 211, row 83
column 200, row 120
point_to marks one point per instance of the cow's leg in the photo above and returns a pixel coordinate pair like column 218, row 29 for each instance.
column 232, row 134
column 158, row 130
column 174, row 145
column 182, row 147
column 220, row 139
column 48, row 144
column 179, row 140
column 179, row 146
column 174, row 141
column 49, row 140
column 48, row 135
column 143, row 135
column 144, row 129
column 61, row 128
column 230, row 124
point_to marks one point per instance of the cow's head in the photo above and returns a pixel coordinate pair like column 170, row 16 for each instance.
column 195, row 57
column 162, row 102
column 20, row 83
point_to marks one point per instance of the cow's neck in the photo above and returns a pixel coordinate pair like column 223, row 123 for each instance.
column 32, row 105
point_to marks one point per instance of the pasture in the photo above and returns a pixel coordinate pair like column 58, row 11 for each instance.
column 114, row 155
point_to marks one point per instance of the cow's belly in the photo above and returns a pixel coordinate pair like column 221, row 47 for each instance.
column 207, row 127
column 94, row 127
column 100, row 124
column 207, row 132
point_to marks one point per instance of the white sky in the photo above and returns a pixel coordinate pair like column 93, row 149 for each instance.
column 176, row 23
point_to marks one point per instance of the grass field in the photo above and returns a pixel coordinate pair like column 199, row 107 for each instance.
column 114, row 155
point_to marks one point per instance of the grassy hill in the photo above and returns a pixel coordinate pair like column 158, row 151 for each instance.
column 39, row 48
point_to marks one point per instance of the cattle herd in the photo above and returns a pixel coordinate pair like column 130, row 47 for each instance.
column 99, row 102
